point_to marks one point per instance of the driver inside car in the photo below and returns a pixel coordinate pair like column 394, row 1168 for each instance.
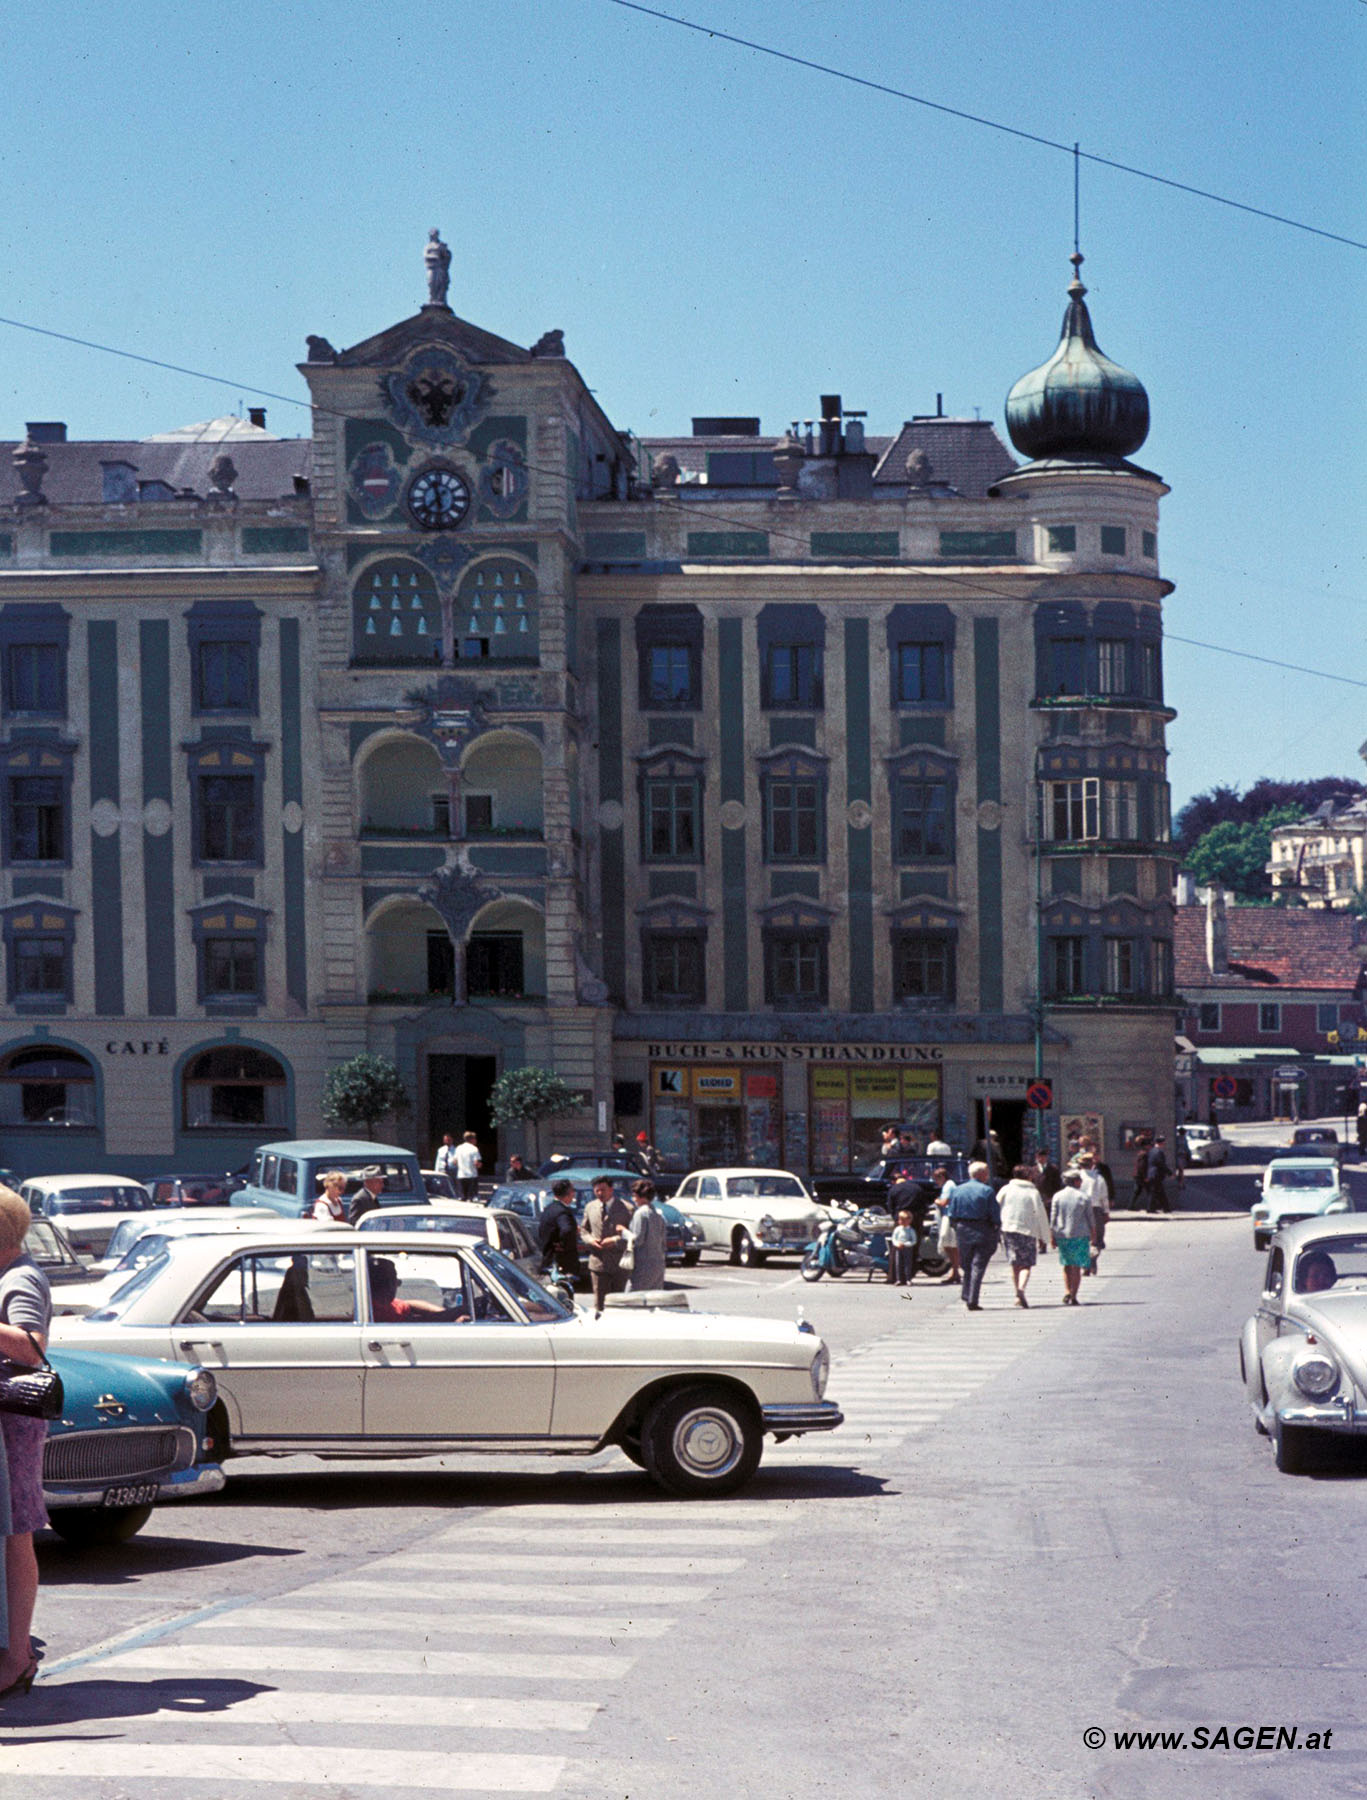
column 1315, row 1273
column 386, row 1308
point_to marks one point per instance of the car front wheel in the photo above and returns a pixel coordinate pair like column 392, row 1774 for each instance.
column 1261, row 1240
column 1294, row 1449
column 89, row 1526
column 746, row 1251
column 690, row 1258
column 702, row 1442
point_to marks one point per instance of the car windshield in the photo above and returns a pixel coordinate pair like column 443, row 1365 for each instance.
column 121, row 1298
column 1331, row 1263
column 124, row 1236
column 1303, row 1178
column 768, row 1187
column 97, row 1199
column 142, row 1250
column 537, row 1302
column 44, row 1246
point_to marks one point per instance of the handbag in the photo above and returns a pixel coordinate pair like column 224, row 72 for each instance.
column 33, row 1393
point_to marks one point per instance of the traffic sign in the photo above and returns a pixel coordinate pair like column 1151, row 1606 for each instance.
column 1040, row 1094
column 1224, row 1087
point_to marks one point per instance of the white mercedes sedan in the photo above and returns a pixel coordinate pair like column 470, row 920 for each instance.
column 357, row 1343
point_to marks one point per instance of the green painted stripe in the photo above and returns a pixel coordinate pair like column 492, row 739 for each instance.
column 292, row 788
column 125, row 543
column 158, row 853
column 106, row 872
column 859, row 786
column 735, row 914
column 840, row 544
column 611, row 786
column 274, row 540
column 988, row 733
column 291, row 740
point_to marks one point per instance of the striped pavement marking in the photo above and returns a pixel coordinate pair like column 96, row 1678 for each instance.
column 305, row 1770
column 621, row 1593
column 481, row 1562
column 357, row 1659
column 306, row 1615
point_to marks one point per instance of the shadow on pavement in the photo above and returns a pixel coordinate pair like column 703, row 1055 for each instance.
column 115, row 1564
column 61, row 1702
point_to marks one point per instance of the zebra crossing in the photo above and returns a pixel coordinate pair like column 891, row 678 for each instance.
column 478, row 1661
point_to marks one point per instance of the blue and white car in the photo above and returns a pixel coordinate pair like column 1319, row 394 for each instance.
column 1294, row 1188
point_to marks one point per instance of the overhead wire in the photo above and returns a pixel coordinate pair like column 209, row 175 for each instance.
column 1015, row 131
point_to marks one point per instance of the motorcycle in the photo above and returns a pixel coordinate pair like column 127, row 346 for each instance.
column 849, row 1241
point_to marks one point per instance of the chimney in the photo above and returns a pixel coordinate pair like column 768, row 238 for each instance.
column 1217, row 930
column 45, row 431
column 256, row 415
column 1186, row 888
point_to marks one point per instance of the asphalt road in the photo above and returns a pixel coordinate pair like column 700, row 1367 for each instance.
column 1034, row 1525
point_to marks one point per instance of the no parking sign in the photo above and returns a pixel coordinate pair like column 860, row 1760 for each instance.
column 1040, row 1094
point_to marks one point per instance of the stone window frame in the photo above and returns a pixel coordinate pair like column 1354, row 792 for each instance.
column 923, row 923
column 918, row 766
column 36, row 626
column 24, row 1055
column 1069, row 655
column 920, row 625
column 803, row 928
column 265, row 1129
column 237, row 922
column 792, row 628
column 680, row 768
column 47, row 922
column 36, row 758
column 791, row 769
column 230, row 758
column 655, row 936
column 669, row 628
column 1202, row 1007
column 362, row 584
column 225, row 624
column 1270, row 1018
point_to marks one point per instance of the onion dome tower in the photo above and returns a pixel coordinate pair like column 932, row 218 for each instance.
column 1078, row 406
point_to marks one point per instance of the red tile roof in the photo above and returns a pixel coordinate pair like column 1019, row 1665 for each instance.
column 1271, row 946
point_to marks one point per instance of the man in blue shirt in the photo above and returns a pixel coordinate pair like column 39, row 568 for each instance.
column 977, row 1220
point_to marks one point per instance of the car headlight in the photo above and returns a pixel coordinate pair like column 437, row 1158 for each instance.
column 1260, row 1215
column 201, row 1389
column 1316, row 1374
column 821, row 1369
column 767, row 1227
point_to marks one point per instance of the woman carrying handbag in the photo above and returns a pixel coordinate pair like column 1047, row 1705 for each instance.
column 25, row 1314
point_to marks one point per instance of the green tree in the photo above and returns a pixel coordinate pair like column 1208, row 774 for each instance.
column 527, row 1096
column 361, row 1091
column 1234, row 855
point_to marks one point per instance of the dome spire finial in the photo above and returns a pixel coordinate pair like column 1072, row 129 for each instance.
column 1079, row 404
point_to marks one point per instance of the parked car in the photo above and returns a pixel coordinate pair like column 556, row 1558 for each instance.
column 375, row 1343
column 574, row 1162
column 97, row 1289
column 192, row 1190
column 134, row 1430
column 752, row 1214
column 1317, row 1140
column 869, row 1187
column 1203, row 1143
column 439, row 1187
column 494, row 1225
column 127, row 1232
column 1303, row 1353
column 1294, row 1188
column 54, row 1253
column 284, row 1176
column 683, row 1235
column 89, row 1206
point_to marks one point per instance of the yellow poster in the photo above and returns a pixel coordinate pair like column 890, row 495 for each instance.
column 830, row 1084
column 875, row 1094
column 716, row 1084
column 920, row 1084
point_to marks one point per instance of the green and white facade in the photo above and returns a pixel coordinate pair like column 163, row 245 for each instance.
column 769, row 788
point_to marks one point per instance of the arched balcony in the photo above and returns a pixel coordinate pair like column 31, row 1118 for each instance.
column 410, row 958
column 501, row 786
column 404, row 790
column 505, row 953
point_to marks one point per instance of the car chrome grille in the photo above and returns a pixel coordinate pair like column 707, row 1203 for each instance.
column 136, row 1451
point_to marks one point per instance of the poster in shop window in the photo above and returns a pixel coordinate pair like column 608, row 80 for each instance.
column 671, row 1134
column 1076, row 1126
column 762, row 1121
column 830, row 1147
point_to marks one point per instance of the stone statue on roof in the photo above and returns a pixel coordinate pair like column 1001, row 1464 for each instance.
column 437, row 257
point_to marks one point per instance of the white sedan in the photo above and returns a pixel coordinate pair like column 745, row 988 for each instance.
column 751, row 1213
column 367, row 1343
column 87, row 1207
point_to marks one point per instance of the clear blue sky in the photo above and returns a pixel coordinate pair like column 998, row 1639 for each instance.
column 718, row 232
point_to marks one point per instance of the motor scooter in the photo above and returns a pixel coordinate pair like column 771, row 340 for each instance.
column 851, row 1240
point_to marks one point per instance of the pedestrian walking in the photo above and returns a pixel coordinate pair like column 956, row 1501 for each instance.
column 902, row 1250
column 1070, row 1221
column 1141, row 1178
column 647, row 1234
column 607, row 1219
column 1156, row 1172
column 1045, row 1175
column 1362, row 1129
column 25, row 1315
column 467, row 1165
column 367, row 1196
column 977, row 1219
column 557, row 1235
column 946, row 1242
column 1025, row 1227
column 445, row 1163
column 1095, row 1189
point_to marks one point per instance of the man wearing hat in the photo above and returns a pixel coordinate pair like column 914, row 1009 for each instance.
column 367, row 1196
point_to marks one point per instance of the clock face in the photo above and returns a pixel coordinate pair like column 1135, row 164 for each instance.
column 438, row 498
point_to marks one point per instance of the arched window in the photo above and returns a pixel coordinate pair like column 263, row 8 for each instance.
column 47, row 1084
column 496, row 611
column 396, row 614
column 234, row 1085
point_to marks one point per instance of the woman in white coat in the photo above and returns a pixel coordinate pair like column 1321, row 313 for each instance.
column 1025, row 1228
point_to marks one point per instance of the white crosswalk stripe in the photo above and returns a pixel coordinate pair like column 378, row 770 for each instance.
column 319, row 1769
column 304, row 1615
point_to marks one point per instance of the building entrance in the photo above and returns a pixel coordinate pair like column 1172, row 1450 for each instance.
column 458, row 1101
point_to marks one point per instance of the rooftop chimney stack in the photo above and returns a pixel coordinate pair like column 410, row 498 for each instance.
column 1217, row 930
